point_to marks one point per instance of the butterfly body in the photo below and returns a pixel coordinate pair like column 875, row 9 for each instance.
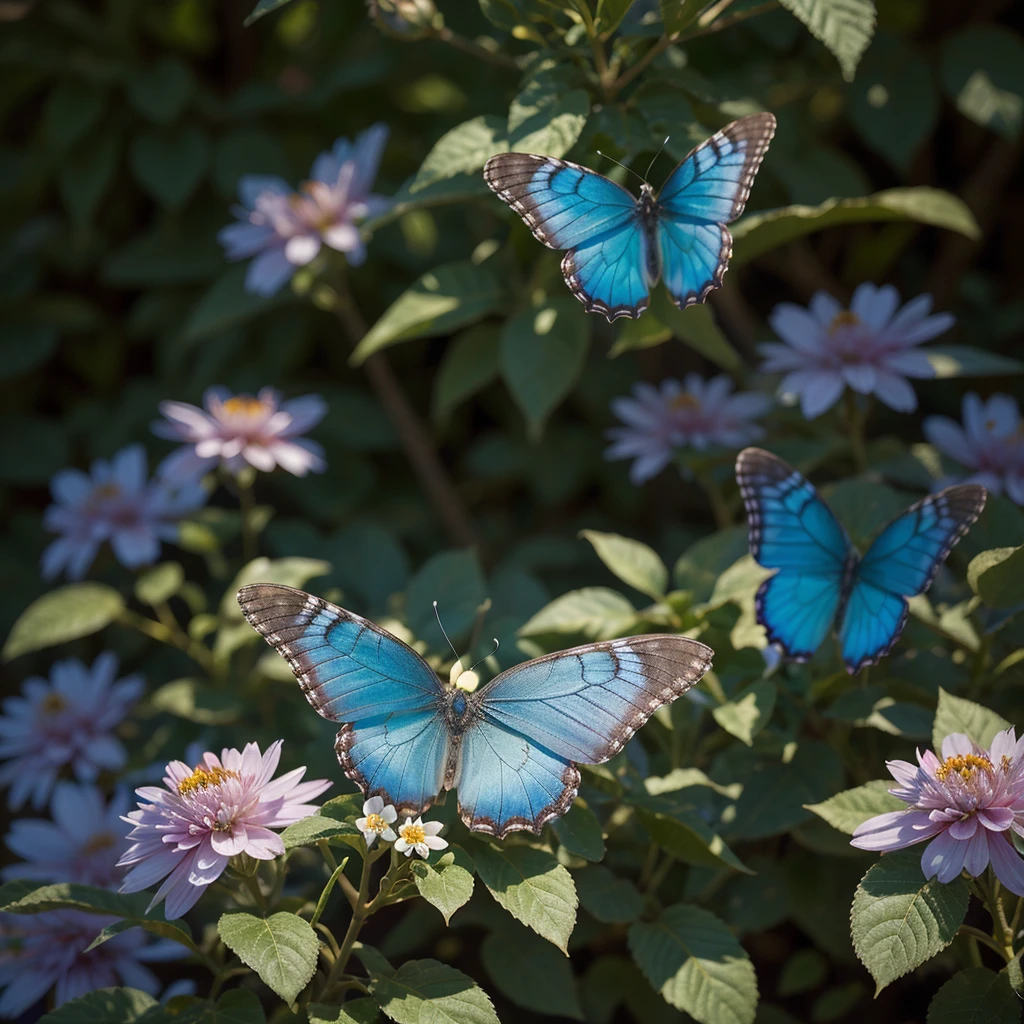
column 619, row 246
column 510, row 748
column 822, row 582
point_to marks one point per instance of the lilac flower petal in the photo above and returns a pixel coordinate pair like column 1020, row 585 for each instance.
column 925, row 330
column 874, row 306
column 861, row 378
column 819, row 391
column 795, row 326
column 943, row 858
column 268, row 272
column 1007, row 863
column 894, row 830
column 895, row 392
column 949, row 437
column 252, row 186
column 912, row 363
column 302, row 249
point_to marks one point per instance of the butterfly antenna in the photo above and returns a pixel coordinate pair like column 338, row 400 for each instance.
column 620, row 163
column 655, row 157
column 490, row 655
column 437, row 615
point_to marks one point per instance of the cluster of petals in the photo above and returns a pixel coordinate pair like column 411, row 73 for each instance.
column 233, row 431
column 417, row 836
column 284, row 229
column 66, row 720
column 870, row 348
column 967, row 804
column 114, row 502
column 377, row 820
column 225, row 806
column 696, row 414
column 989, row 444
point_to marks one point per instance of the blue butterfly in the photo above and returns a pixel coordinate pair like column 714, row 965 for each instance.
column 620, row 245
column 510, row 747
column 822, row 580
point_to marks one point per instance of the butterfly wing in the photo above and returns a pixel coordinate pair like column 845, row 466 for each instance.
column 901, row 562
column 705, row 192
column 566, row 206
column 534, row 720
column 794, row 531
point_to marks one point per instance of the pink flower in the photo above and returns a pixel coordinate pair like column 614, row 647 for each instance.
column 869, row 347
column 239, row 429
column 965, row 804
column 223, row 807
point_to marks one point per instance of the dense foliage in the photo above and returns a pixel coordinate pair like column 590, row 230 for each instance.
column 458, row 453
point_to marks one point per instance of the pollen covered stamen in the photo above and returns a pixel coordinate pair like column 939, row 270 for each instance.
column 963, row 765
column 844, row 318
column 244, row 405
column 52, row 704
column 413, row 834
column 202, row 778
column 375, row 823
column 684, row 400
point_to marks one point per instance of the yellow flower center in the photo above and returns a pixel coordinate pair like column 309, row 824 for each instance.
column 964, row 765
column 844, row 318
column 375, row 823
column 100, row 841
column 684, row 400
column 52, row 704
column 413, row 834
column 202, row 778
column 244, row 405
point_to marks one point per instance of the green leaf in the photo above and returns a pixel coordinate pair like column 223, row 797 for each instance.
column 161, row 929
column 72, row 110
column 997, row 576
column 160, row 90
column 695, row 326
column 680, row 14
column 700, row 566
column 899, row 920
column 529, row 972
column 644, row 332
column 195, row 701
column 462, row 150
column 68, row 613
column 448, row 883
column 86, row 174
column 685, row 834
column 595, row 612
column 263, row 7
column 579, row 832
column 967, row 361
column 632, row 561
column 607, row 897
column 159, row 584
column 844, row 26
column 455, row 581
column 696, row 963
column 759, row 233
column 954, row 714
column 470, row 363
column 848, row 810
column 442, row 300
column 542, row 355
column 282, row 949
column 609, row 14
column 428, row 992
column 532, row 886
column 975, row 995
column 355, row 1011
column 983, row 73
column 549, row 127
column 237, row 1006
column 170, row 163
column 311, row 830
column 227, row 303
column 748, row 713
column 109, row 1005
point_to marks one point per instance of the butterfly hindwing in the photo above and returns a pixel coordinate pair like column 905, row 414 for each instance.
column 348, row 667
column 900, row 563
column 694, row 258
column 612, row 275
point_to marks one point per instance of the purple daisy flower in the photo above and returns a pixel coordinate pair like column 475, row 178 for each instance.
column 990, row 443
column 285, row 229
column 869, row 347
column 81, row 844
column 113, row 502
column 696, row 414
column 236, row 430
column 66, row 720
column 223, row 807
column 966, row 804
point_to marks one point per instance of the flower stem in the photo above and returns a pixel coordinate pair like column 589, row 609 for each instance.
column 359, row 915
column 855, row 426
column 247, row 505
column 173, row 636
column 325, row 895
column 719, row 506
column 446, row 35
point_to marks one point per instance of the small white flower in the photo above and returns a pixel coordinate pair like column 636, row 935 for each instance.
column 377, row 821
column 419, row 836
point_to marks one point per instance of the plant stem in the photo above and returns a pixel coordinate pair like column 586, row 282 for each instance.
column 1003, row 934
column 719, row 506
column 359, row 916
column 173, row 637
column 419, row 449
column 980, row 936
column 501, row 60
column 248, row 507
column 325, row 895
column 855, row 425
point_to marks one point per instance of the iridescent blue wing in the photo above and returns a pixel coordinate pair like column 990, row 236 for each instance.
column 349, row 669
column 901, row 562
column 794, row 531
column 530, row 723
column 401, row 757
column 705, row 192
column 566, row 206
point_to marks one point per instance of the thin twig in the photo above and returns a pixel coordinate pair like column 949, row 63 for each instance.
column 446, row 35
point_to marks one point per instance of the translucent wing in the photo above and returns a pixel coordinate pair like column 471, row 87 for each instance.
column 584, row 704
column 609, row 264
column 401, row 757
column 349, row 669
column 706, row 191
column 901, row 562
column 507, row 783
column 794, row 531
